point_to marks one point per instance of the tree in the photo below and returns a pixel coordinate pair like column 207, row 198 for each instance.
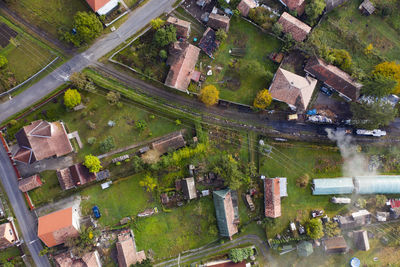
column 228, row 168
column 72, row 98
column 254, row 67
column 3, row 61
column 113, row 97
column 289, row 42
column 86, row 27
column 149, row 183
column 92, row 163
column 379, row 86
column 44, row 251
column 331, row 229
column 380, row 201
column 263, row 99
column 314, row 228
column 84, row 243
column 141, row 125
column 240, row 254
column 277, row 29
column 314, row 9
column 78, row 79
column 157, row 23
column 390, row 70
column 303, row 180
column 107, row 144
column 137, row 164
column 165, row 35
column 338, row 57
column 163, row 54
column 221, row 35
column 372, row 115
column 209, row 95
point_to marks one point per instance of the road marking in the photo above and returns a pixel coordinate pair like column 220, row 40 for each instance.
column 33, row 241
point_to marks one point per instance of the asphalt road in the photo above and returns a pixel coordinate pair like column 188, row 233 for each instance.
column 25, row 219
column 137, row 20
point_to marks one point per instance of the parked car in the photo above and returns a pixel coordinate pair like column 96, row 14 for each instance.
column 376, row 132
column 326, row 91
column 96, row 212
column 317, row 213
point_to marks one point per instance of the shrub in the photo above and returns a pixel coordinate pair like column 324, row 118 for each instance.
column 221, row 35
column 113, row 97
column 178, row 122
column 92, row 163
column 91, row 125
column 303, row 180
column 3, row 61
column 117, row 163
column 72, row 98
column 141, row 125
column 107, row 144
column 263, row 99
column 209, row 95
column 163, row 54
column 91, row 140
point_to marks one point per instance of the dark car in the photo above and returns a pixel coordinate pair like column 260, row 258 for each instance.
column 96, row 212
column 326, row 90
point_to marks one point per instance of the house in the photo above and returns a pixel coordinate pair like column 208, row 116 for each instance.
column 126, row 248
column 182, row 26
column 334, row 78
column 182, row 60
column 332, row 186
column 208, row 42
column 297, row 28
column 295, row 5
column 245, row 5
column 66, row 259
column 171, row 141
column 227, row 212
column 75, row 175
column 103, row 7
column 189, row 188
column 304, row 249
column 30, row 183
column 378, row 184
column 216, row 22
column 335, row 245
column 367, row 8
column 361, row 240
column 292, row 89
column 56, row 227
column 8, row 236
column 40, row 140
column 272, row 197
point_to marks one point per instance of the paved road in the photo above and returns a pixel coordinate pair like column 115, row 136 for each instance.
column 137, row 20
column 199, row 254
column 25, row 219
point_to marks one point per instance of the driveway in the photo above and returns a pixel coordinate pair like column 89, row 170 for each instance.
column 47, row 164
column 26, row 220
column 334, row 104
column 137, row 20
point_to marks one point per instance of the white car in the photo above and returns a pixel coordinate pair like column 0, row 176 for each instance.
column 376, row 132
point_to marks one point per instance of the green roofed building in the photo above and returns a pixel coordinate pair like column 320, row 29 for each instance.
column 227, row 213
column 304, row 249
column 333, row 186
column 384, row 184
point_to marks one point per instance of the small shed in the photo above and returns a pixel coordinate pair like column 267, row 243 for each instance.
column 245, row 5
column 189, row 188
column 331, row 186
column 29, row 183
column 361, row 240
column 335, row 245
column 367, row 8
column 304, row 249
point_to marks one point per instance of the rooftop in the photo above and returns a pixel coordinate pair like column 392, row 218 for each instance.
column 182, row 26
column 226, row 209
column 29, row 183
column 216, row 22
column 74, row 175
column 208, row 42
column 272, row 197
column 298, row 5
column 172, row 141
column 126, row 247
column 297, row 28
column 245, row 5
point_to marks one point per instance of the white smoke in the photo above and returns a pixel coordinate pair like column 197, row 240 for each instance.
column 354, row 162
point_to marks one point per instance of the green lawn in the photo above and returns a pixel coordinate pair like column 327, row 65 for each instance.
column 11, row 252
column 25, row 54
column 49, row 15
column 50, row 189
column 258, row 46
column 346, row 28
column 297, row 159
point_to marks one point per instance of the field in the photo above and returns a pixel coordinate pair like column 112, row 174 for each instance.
column 49, row 15
column 346, row 28
column 25, row 54
column 292, row 161
column 257, row 47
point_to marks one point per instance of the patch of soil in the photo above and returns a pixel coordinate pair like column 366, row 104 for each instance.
column 6, row 33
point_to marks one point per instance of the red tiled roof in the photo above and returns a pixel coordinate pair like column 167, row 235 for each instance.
column 41, row 140
column 298, row 5
column 183, row 61
column 126, row 248
column 97, row 4
column 292, row 89
column 182, row 26
column 297, row 28
column 74, row 175
column 171, row 141
column 245, row 5
column 217, row 22
column 55, row 227
column 333, row 77
column 272, row 198
column 29, row 183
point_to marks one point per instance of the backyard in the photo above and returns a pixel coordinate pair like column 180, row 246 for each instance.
column 346, row 28
column 49, row 15
column 49, row 191
column 25, row 54
column 251, row 64
column 13, row 254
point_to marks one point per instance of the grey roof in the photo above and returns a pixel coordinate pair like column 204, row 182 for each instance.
column 283, row 186
column 101, row 175
column 330, row 186
column 223, row 211
column 383, row 184
column 189, row 188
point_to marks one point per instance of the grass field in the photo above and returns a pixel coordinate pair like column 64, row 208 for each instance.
column 258, row 46
column 12, row 252
column 50, row 189
column 49, row 15
column 346, row 28
column 292, row 161
column 25, row 54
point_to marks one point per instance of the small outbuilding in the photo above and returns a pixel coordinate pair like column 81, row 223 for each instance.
column 216, row 22
column 30, row 183
column 182, row 26
column 189, row 188
column 245, row 6
column 335, row 245
column 208, row 42
column 296, row 27
column 361, row 240
column 332, row 186
column 367, row 8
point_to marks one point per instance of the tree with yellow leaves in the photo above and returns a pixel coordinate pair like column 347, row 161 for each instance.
column 389, row 70
column 149, row 183
column 209, row 95
column 263, row 99
column 369, row 49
